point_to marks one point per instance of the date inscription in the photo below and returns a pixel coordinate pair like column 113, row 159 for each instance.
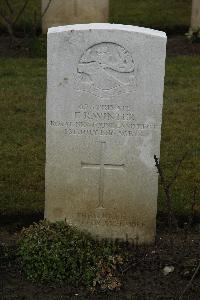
column 103, row 120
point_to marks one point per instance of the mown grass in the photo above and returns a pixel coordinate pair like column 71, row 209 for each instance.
column 22, row 123
column 22, row 107
column 168, row 15
column 180, row 132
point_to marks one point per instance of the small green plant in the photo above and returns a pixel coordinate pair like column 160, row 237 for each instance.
column 57, row 252
column 194, row 35
column 37, row 47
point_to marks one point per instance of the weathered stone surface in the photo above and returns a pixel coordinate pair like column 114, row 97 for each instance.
column 62, row 12
column 195, row 20
column 104, row 113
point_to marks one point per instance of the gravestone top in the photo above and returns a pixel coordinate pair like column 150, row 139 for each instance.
column 103, row 125
column 107, row 26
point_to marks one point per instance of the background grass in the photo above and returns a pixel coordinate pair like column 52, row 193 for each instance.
column 22, row 123
column 22, row 108
column 168, row 15
column 180, row 131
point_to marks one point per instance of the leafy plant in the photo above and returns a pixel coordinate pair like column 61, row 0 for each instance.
column 11, row 16
column 57, row 252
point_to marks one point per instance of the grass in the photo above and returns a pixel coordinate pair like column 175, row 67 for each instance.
column 180, row 128
column 168, row 15
column 22, row 123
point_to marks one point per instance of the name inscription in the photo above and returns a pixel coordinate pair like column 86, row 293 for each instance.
column 104, row 120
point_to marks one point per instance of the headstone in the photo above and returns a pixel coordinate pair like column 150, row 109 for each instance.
column 62, row 12
column 195, row 21
column 104, row 113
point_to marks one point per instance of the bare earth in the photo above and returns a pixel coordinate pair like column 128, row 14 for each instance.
column 142, row 279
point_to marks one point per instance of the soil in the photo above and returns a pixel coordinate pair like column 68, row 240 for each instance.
column 176, row 45
column 143, row 278
column 180, row 45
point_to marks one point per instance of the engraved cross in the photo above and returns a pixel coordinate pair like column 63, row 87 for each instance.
column 101, row 166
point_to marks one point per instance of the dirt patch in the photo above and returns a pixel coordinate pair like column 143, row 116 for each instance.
column 180, row 45
column 143, row 278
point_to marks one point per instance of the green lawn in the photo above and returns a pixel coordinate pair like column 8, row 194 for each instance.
column 22, row 107
column 169, row 15
column 181, row 122
column 22, row 123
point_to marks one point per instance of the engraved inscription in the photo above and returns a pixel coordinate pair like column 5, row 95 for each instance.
column 104, row 120
column 106, row 70
column 101, row 166
column 108, row 219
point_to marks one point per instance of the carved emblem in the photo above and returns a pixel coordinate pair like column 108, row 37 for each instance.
column 106, row 70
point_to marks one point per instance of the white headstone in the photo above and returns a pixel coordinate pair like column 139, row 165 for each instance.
column 104, row 113
column 62, row 12
column 195, row 20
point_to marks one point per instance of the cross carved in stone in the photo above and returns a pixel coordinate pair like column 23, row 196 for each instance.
column 101, row 166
